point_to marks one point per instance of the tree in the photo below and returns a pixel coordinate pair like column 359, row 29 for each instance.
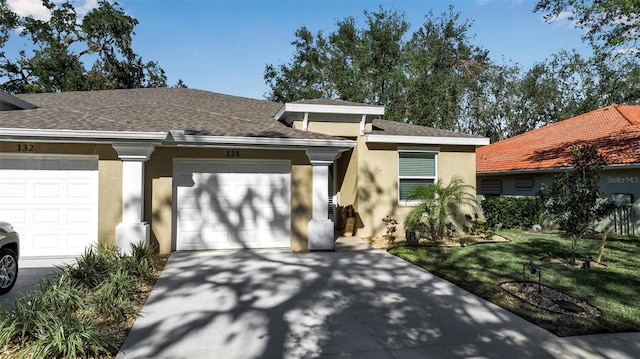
column 442, row 67
column 574, row 200
column 610, row 24
column 63, row 44
column 439, row 205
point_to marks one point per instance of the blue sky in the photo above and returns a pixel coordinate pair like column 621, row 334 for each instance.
column 224, row 45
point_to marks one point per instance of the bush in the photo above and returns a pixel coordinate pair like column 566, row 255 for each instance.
column 512, row 212
column 75, row 313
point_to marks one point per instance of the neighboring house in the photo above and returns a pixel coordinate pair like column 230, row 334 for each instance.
column 189, row 169
column 518, row 166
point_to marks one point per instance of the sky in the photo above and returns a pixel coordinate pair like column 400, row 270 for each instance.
column 224, row 45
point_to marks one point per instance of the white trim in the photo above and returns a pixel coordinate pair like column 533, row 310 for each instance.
column 134, row 151
column 322, row 108
column 428, row 140
column 178, row 137
column 305, row 122
column 68, row 135
column 418, row 149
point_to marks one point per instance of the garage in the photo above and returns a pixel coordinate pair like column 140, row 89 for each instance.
column 52, row 201
column 232, row 204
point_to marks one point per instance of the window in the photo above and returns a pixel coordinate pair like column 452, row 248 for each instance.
column 524, row 184
column 415, row 169
column 491, row 187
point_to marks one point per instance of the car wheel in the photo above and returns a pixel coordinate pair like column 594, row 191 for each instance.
column 8, row 270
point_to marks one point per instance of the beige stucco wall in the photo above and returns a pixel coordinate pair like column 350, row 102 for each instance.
column 377, row 195
column 109, row 178
column 159, row 189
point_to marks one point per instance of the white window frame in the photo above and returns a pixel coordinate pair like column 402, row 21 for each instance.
column 431, row 150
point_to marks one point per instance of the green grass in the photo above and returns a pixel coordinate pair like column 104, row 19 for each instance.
column 614, row 289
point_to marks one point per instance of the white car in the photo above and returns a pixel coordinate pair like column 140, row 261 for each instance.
column 9, row 254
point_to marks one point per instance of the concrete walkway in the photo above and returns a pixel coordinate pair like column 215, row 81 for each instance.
column 356, row 302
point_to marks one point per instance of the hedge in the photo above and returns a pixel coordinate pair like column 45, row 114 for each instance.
column 512, row 212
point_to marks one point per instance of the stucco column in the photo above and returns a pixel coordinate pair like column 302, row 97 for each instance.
column 321, row 228
column 133, row 229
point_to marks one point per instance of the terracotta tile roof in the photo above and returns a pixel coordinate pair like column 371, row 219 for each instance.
column 153, row 110
column 615, row 129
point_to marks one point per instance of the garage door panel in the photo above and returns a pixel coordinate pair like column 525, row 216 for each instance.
column 52, row 201
column 240, row 204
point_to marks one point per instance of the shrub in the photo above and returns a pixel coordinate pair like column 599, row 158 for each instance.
column 439, row 203
column 73, row 314
column 390, row 226
column 512, row 212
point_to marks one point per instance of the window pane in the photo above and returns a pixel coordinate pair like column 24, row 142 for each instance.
column 417, row 164
column 407, row 184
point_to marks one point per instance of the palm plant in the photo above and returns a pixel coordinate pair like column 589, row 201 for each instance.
column 439, row 205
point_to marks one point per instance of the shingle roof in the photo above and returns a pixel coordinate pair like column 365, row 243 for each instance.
column 386, row 127
column 615, row 129
column 153, row 110
column 165, row 109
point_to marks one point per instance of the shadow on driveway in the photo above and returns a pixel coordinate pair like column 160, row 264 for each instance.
column 358, row 304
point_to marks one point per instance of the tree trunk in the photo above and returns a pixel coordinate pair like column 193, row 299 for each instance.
column 602, row 242
column 574, row 242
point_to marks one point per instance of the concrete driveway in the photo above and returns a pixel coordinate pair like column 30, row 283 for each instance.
column 30, row 272
column 344, row 304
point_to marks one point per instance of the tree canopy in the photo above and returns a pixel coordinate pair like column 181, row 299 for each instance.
column 70, row 53
column 436, row 76
column 574, row 199
column 610, row 24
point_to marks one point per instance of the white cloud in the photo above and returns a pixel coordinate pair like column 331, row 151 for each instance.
column 29, row 7
column 38, row 11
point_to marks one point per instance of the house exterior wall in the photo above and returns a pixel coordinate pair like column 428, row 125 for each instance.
column 109, row 178
column 377, row 192
column 159, row 189
column 613, row 182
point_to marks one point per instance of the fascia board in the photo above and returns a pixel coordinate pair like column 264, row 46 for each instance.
column 554, row 170
column 332, row 109
column 427, row 140
column 176, row 138
column 74, row 135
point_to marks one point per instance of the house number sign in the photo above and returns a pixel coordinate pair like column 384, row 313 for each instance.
column 26, row 147
column 233, row 153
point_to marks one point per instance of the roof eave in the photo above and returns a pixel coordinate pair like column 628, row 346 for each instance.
column 45, row 135
column 618, row 166
column 427, row 140
column 178, row 138
column 328, row 109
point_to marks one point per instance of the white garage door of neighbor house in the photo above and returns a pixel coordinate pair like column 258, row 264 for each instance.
column 232, row 204
column 51, row 201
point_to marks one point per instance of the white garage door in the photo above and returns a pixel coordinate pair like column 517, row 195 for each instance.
column 52, row 201
column 225, row 205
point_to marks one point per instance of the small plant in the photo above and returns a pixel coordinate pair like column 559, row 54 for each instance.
column 390, row 226
column 74, row 314
column 439, row 203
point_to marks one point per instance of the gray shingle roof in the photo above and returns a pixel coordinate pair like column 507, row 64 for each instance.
column 393, row 128
column 153, row 110
column 189, row 110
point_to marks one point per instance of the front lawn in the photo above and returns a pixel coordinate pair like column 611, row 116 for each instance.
column 614, row 288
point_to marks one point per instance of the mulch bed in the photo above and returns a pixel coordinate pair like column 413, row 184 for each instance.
column 549, row 299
